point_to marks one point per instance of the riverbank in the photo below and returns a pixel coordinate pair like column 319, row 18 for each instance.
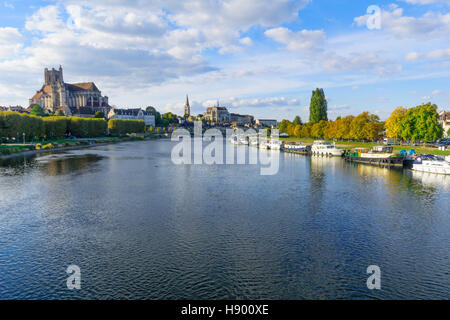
column 64, row 145
column 347, row 145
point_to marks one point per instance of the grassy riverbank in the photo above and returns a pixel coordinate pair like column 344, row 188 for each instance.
column 8, row 150
column 352, row 144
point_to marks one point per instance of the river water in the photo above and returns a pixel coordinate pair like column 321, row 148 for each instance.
column 140, row 227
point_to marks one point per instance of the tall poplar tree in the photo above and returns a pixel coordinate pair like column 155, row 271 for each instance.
column 318, row 106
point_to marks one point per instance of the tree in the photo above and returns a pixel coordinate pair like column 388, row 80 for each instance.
column 394, row 121
column 284, row 126
column 421, row 123
column 37, row 110
column 317, row 130
column 99, row 115
column 297, row 121
column 60, row 113
column 298, row 131
column 318, row 106
column 151, row 110
column 365, row 126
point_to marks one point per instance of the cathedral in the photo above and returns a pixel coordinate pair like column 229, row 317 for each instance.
column 70, row 98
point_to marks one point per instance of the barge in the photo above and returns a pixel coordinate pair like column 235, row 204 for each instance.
column 380, row 155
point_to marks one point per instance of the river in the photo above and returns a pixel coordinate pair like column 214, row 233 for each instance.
column 140, row 227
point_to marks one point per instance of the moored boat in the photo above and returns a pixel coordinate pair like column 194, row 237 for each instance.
column 275, row 145
column 295, row 148
column 379, row 155
column 431, row 164
column 325, row 148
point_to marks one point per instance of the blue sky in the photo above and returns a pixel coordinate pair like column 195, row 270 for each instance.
column 262, row 57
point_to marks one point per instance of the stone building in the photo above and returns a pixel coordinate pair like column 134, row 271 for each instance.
column 217, row 115
column 266, row 123
column 56, row 94
column 444, row 121
column 132, row 114
column 241, row 120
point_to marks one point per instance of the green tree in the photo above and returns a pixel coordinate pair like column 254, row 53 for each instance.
column 284, row 126
column 154, row 112
column 318, row 107
column 99, row 115
column 421, row 123
column 297, row 121
column 37, row 110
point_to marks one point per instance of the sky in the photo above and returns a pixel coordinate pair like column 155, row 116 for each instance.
column 259, row 57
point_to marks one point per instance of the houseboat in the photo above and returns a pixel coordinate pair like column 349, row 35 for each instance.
column 379, row 155
column 295, row 148
column 325, row 148
column 431, row 164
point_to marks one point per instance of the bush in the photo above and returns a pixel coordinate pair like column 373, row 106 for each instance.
column 120, row 126
column 55, row 127
column 15, row 124
column 87, row 128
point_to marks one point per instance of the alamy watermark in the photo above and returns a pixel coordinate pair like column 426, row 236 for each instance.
column 74, row 280
column 374, row 280
column 373, row 18
column 190, row 150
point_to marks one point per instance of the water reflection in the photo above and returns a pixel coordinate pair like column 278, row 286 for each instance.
column 69, row 164
column 438, row 181
column 126, row 212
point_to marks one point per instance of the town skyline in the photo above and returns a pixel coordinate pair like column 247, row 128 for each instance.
column 265, row 63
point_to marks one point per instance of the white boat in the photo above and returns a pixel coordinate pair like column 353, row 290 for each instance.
column 325, row 148
column 431, row 164
column 295, row 147
column 275, row 145
column 264, row 145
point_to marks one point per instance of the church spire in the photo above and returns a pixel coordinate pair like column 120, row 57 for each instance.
column 187, row 108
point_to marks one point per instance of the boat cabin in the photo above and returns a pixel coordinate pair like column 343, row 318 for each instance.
column 382, row 149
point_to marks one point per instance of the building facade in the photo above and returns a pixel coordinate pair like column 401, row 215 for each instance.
column 132, row 114
column 241, row 120
column 444, row 121
column 267, row 123
column 217, row 115
column 55, row 93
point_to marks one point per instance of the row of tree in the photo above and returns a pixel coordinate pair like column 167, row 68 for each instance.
column 16, row 125
column 415, row 124
column 119, row 126
column 365, row 126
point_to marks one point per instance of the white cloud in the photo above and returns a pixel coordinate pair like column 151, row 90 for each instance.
column 232, row 102
column 246, row 41
column 429, row 25
column 435, row 54
column 300, row 40
column 10, row 42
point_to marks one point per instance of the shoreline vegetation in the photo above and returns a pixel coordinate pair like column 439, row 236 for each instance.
column 348, row 145
column 8, row 151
